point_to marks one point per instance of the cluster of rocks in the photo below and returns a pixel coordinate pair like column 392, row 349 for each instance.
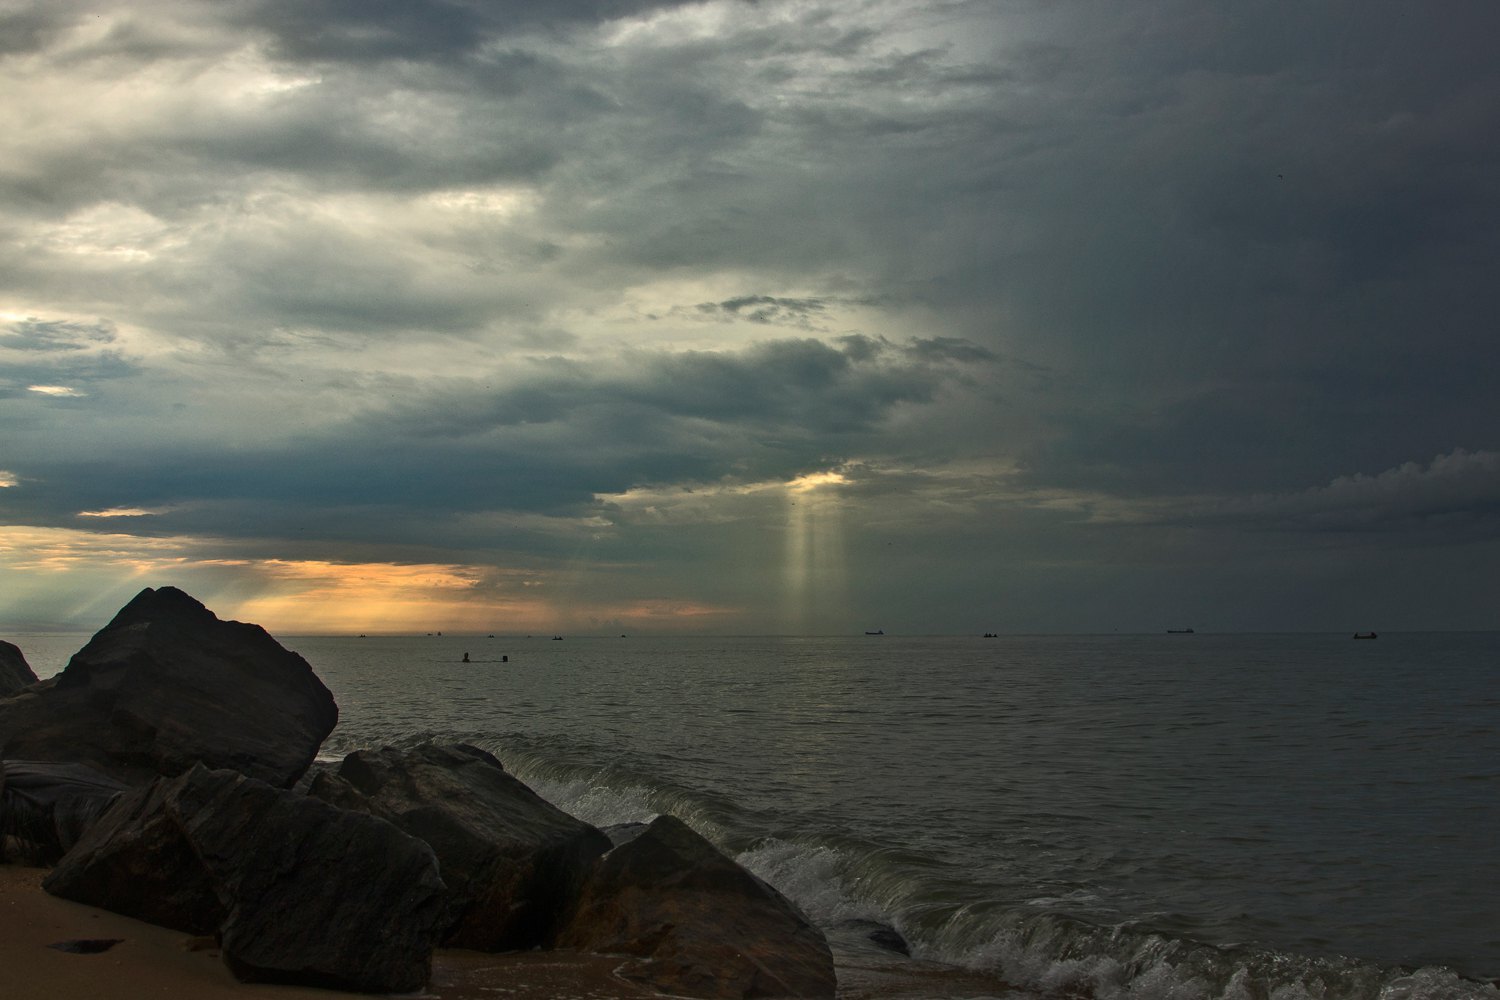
column 159, row 774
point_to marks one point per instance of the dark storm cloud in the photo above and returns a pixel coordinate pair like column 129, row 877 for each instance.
column 547, row 443
column 802, row 389
column 331, row 138
column 410, row 128
column 1265, row 249
column 1453, row 498
column 377, row 30
column 766, row 309
column 950, row 349
column 323, row 146
column 370, row 29
column 1455, row 495
column 55, row 335
column 1270, row 429
column 1073, row 282
column 76, row 373
column 28, row 29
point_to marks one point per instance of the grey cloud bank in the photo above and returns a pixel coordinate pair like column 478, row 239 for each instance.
column 760, row 317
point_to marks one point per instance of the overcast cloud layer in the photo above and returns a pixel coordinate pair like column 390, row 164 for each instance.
column 751, row 317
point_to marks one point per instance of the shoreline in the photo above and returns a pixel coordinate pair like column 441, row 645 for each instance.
column 157, row 963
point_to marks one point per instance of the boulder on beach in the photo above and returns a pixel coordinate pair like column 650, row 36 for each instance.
column 513, row 862
column 137, row 859
column 697, row 923
column 15, row 673
column 166, row 685
column 298, row 891
column 45, row 807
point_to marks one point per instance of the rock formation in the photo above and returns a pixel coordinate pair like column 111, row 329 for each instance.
column 698, row 924
column 513, row 861
column 15, row 672
column 297, row 890
column 46, row 807
column 165, row 685
column 339, row 886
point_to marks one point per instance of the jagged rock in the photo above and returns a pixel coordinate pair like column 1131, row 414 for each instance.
column 513, row 862
column 697, row 923
column 46, row 807
column 297, row 890
column 165, row 685
column 138, row 859
column 15, row 672
column 620, row 834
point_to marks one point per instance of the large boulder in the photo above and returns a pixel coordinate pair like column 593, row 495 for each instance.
column 15, row 672
column 698, row 924
column 45, row 807
column 139, row 859
column 297, row 890
column 166, row 685
column 513, row 862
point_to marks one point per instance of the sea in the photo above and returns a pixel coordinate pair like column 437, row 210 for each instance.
column 1183, row 816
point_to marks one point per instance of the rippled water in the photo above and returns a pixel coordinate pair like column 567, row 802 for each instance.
column 1196, row 815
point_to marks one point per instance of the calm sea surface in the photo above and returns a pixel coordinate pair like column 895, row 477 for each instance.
column 1236, row 816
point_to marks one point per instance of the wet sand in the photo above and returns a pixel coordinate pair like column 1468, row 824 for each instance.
column 154, row 963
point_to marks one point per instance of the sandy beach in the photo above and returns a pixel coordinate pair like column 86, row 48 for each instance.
column 154, row 963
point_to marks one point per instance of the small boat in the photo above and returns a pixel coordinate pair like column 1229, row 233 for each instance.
column 991, row 635
column 556, row 638
column 1179, row 631
column 879, row 631
column 1366, row 635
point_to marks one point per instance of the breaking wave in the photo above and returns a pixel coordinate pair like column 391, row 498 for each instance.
column 945, row 916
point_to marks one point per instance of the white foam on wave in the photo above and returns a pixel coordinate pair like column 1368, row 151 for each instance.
column 1102, row 964
column 1043, row 953
column 601, row 799
column 596, row 804
column 1434, row 983
column 1105, row 977
column 813, row 877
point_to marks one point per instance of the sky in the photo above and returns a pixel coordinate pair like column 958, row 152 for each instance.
column 788, row 317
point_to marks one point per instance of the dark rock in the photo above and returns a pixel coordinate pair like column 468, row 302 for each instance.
column 15, row 672
column 513, row 862
column 166, row 685
column 347, row 902
column 139, row 860
column 314, row 769
column 46, row 807
column 620, row 834
column 297, row 890
column 699, row 924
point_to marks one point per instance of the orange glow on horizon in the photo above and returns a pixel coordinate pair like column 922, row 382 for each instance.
column 291, row 597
